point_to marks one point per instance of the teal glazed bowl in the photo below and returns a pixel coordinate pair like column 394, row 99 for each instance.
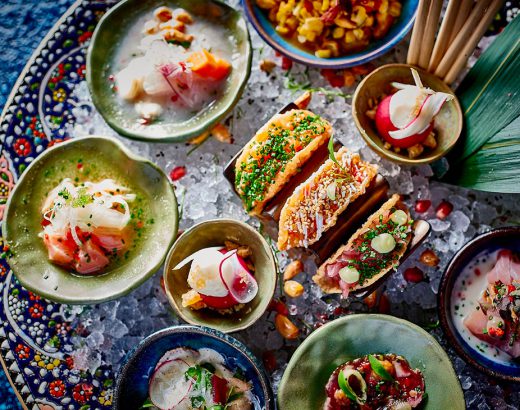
column 303, row 382
column 112, row 31
column 100, row 158
column 259, row 19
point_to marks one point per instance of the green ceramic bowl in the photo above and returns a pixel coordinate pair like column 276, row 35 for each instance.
column 214, row 233
column 109, row 34
column 102, row 158
column 303, row 382
column 448, row 123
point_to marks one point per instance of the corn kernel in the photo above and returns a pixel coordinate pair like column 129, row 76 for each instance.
column 323, row 53
column 332, row 46
column 163, row 13
column 338, row 32
column 359, row 33
column 285, row 327
column 266, row 4
column 349, row 78
column 344, row 22
column 293, row 289
column 293, row 269
column 325, row 5
column 282, row 29
column 395, row 9
column 350, row 37
column 359, row 15
column 184, row 17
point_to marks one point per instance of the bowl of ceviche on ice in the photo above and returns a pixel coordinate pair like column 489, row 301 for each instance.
column 192, row 367
column 82, row 223
column 479, row 303
column 168, row 70
column 221, row 274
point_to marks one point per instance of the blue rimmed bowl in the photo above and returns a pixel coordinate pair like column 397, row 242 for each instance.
column 502, row 238
column 134, row 376
column 258, row 18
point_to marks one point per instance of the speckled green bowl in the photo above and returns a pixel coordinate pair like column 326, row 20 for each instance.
column 448, row 123
column 214, row 233
column 303, row 382
column 22, row 221
column 113, row 28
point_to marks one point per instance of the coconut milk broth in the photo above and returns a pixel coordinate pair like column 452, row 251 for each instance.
column 464, row 299
column 207, row 34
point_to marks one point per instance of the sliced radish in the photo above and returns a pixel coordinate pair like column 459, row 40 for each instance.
column 225, row 302
column 187, row 355
column 235, row 275
column 384, row 126
column 168, row 386
column 203, row 253
column 430, row 108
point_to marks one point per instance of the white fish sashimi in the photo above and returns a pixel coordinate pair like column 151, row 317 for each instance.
column 168, row 386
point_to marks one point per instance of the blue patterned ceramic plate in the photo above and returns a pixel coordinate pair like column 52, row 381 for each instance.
column 132, row 384
column 502, row 238
column 397, row 32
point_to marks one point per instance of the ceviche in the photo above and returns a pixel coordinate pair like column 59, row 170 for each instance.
column 486, row 304
column 186, row 379
column 87, row 225
column 172, row 65
column 378, row 381
column 220, row 278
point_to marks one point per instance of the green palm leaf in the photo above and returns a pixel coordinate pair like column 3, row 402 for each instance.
column 488, row 156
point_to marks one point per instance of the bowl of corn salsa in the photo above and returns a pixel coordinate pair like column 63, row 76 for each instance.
column 331, row 33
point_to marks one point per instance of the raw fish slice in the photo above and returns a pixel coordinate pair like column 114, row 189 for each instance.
column 111, row 242
column 57, row 249
column 505, row 270
column 90, row 258
column 477, row 321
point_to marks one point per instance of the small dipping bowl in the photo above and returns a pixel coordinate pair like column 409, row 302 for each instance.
column 139, row 364
column 502, row 238
column 214, row 233
column 448, row 123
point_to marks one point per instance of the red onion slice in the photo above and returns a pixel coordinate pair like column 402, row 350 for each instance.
column 237, row 279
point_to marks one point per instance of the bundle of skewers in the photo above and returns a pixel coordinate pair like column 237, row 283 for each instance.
column 446, row 52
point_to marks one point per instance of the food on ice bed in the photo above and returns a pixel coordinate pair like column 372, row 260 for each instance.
column 87, row 225
column 188, row 379
column 172, row 64
column 379, row 381
column 315, row 205
column 275, row 154
column 220, row 278
column 371, row 252
column 494, row 317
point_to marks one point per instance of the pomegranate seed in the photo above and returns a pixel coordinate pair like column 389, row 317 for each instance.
column 177, row 173
column 444, row 209
column 279, row 307
column 413, row 275
column 286, row 63
column 269, row 360
column 422, row 205
column 429, row 258
column 384, row 304
column 371, row 300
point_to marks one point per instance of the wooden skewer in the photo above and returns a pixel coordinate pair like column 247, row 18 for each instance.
column 465, row 7
column 417, row 33
column 432, row 24
column 462, row 38
column 473, row 41
column 445, row 32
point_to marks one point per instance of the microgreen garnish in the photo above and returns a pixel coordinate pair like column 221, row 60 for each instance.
column 294, row 86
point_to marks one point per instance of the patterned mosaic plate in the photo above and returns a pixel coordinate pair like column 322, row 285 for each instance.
column 35, row 333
